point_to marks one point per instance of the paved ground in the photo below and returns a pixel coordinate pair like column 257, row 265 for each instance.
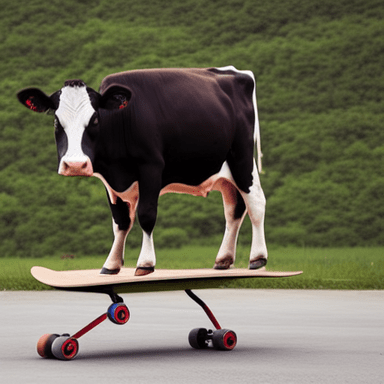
column 283, row 337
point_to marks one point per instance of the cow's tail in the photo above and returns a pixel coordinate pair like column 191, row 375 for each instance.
column 256, row 132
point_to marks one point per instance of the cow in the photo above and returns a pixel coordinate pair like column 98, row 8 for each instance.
column 153, row 131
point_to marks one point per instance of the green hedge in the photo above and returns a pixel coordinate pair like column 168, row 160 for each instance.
column 318, row 65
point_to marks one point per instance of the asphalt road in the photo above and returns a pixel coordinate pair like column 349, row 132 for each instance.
column 283, row 337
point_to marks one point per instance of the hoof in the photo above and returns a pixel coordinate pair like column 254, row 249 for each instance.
column 259, row 263
column 225, row 263
column 106, row 271
column 142, row 271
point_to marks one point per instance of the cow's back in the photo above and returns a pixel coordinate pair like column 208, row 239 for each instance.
column 194, row 119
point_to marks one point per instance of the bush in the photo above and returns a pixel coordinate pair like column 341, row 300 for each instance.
column 171, row 238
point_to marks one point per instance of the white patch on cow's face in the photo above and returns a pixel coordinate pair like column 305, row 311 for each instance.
column 74, row 113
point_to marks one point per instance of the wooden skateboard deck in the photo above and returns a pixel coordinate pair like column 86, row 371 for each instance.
column 161, row 280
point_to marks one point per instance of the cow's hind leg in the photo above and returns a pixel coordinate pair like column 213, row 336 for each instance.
column 234, row 211
column 123, row 217
column 255, row 203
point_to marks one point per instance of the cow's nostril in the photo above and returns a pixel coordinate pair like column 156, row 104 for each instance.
column 76, row 168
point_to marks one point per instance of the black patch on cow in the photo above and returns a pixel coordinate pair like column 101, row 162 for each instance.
column 240, row 206
column 120, row 213
column 61, row 139
column 74, row 83
column 90, row 136
column 94, row 97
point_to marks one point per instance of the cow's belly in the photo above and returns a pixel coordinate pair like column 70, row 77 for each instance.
column 202, row 189
column 131, row 194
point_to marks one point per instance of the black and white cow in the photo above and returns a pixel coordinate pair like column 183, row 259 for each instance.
column 150, row 132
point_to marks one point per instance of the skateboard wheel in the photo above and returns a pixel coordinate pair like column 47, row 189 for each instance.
column 198, row 338
column 118, row 313
column 224, row 339
column 44, row 345
column 65, row 348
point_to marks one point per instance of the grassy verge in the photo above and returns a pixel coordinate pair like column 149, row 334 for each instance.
column 328, row 268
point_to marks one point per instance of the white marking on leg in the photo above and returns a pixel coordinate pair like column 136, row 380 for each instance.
column 227, row 251
column 147, row 257
column 255, row 203
column 115, row 259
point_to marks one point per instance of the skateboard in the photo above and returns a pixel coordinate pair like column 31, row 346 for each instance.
column 66, row 347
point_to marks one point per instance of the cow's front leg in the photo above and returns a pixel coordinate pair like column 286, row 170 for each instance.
column 115, row 259
column 149, row 191
column 122, row 221
column 147, row 258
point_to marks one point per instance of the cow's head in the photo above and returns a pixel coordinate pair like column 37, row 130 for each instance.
column 76, row 108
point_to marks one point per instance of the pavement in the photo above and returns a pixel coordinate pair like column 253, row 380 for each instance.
column 284, row 336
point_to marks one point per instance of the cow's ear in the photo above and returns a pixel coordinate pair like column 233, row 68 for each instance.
column 115, row 97
column 36, row 100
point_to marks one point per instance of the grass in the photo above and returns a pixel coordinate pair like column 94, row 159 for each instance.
column 327, row 268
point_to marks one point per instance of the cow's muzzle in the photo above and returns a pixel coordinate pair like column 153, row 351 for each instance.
column 76, row 168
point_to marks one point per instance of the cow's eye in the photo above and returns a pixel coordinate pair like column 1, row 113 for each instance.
column 94, row 120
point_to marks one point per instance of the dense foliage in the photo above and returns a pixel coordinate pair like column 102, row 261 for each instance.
column 319, row 69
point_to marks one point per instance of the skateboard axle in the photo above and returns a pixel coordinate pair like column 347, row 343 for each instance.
column 90, row 326
column 205, row 307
